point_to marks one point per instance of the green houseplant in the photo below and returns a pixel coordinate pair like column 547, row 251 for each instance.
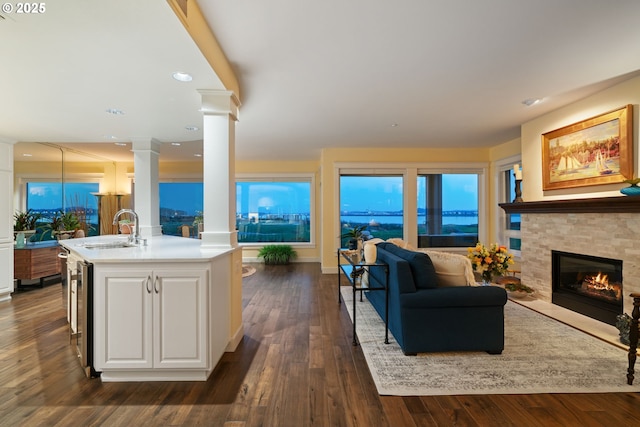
column 64, row 223
column 353, row 235
column 277, row 254
column 25, row 220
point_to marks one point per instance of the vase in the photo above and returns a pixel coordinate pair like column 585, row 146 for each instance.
column 632, row 190
column 487, row 278
column 20, row 240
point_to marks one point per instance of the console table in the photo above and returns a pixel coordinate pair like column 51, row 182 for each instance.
column 354, row 269
column 36, row 261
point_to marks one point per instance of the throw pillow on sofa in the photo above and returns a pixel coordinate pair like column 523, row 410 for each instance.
column 424, row 274
column 451, row 269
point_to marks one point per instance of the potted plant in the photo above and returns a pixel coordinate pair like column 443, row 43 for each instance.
column 64, row 224
column 126, row 226
column 24, row 225
column 518, row 290
column 277, row 254
column 26, row 220
column 198, row 222
column 354, row 234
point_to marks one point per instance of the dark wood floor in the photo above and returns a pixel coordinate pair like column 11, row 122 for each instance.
column 295, row 367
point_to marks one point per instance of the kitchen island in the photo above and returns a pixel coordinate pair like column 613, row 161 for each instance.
column 159, row 311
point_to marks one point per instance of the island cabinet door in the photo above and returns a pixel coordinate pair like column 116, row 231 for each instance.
column 123, row 313
column 181, row 318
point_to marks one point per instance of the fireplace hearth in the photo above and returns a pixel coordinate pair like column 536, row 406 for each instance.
column 588, row 285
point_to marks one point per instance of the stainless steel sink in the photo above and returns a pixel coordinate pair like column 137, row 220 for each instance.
column 108, row 245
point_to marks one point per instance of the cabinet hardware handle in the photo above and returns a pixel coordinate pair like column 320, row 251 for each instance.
column 155, row 285
column 147, row 284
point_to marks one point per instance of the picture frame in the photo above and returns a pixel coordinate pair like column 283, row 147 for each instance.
column 595, row 151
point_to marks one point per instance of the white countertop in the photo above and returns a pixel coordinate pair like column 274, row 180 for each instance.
column 158, row 248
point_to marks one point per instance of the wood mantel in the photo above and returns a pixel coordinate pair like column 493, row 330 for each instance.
column 594, row 205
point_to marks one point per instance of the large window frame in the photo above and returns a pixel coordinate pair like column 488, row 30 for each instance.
column 386, row 227
column 20, row 192
column 308, row 178
column 191, row 220
column 440, row 230
column 410, row 173
column 503, row 169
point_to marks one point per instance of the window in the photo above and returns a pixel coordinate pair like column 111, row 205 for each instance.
column 180, row 204
column 512, row 221
column 50, row 198
column 274, row 210
column 374, row 201
column 447, row 210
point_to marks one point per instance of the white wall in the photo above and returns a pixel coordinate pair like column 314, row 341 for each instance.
column 6, row 221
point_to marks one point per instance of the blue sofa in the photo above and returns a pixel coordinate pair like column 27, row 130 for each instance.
column 426, row 318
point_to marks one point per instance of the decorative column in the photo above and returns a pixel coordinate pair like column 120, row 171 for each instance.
column 220, row 110
column 146, row 152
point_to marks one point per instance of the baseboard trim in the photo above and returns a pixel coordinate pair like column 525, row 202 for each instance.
column 235, row 340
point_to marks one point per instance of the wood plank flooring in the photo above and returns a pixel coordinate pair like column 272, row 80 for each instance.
column 295, row 367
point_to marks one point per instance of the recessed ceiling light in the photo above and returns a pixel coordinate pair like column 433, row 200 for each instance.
column 115, row 111
column 120, row 144
column 182, row 77
column 192, row 128
column 198, row 155
column 27, row 155
column 531, row 101
column 177, row 144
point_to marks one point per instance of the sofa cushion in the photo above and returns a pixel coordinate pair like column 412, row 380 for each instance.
column 451, row 269
column 424, row 274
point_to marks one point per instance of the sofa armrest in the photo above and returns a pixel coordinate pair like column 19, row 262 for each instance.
column 462, row 296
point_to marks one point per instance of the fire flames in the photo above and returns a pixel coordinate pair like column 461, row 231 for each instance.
column 599, row 284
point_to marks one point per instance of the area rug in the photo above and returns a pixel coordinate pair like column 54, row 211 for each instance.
column 247, row 270
column 541, row 355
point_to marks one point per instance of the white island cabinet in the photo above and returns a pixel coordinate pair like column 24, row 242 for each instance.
column 160, row 311
column 151, row 318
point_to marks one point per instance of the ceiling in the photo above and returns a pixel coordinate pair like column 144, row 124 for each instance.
column 362, row 73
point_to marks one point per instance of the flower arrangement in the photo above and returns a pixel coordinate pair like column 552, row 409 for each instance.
column 490, row 261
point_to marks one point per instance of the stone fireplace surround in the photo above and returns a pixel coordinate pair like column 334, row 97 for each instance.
column 605, row 227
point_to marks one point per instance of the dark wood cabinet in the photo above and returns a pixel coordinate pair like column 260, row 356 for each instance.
column 36, row 261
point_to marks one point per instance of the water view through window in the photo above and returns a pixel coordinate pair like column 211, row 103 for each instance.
column 273, row 211
column 447, row 208
column 266, row 211
column 372, row 201
column 51, row 198
column 180, row 204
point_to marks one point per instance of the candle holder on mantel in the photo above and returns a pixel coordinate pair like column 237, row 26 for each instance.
column 518, row 198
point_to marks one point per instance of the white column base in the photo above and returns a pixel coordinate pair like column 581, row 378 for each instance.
column 149, row 231
column 219, row 239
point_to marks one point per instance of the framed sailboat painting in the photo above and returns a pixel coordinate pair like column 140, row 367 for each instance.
column 595, row 151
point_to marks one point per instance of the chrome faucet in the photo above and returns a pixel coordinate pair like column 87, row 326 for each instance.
column 133, row 238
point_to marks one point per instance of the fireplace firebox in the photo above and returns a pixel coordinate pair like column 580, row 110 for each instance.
column 588, row 285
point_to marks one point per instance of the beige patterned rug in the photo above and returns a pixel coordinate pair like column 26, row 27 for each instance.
column 541, row 355
column 247, row 270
